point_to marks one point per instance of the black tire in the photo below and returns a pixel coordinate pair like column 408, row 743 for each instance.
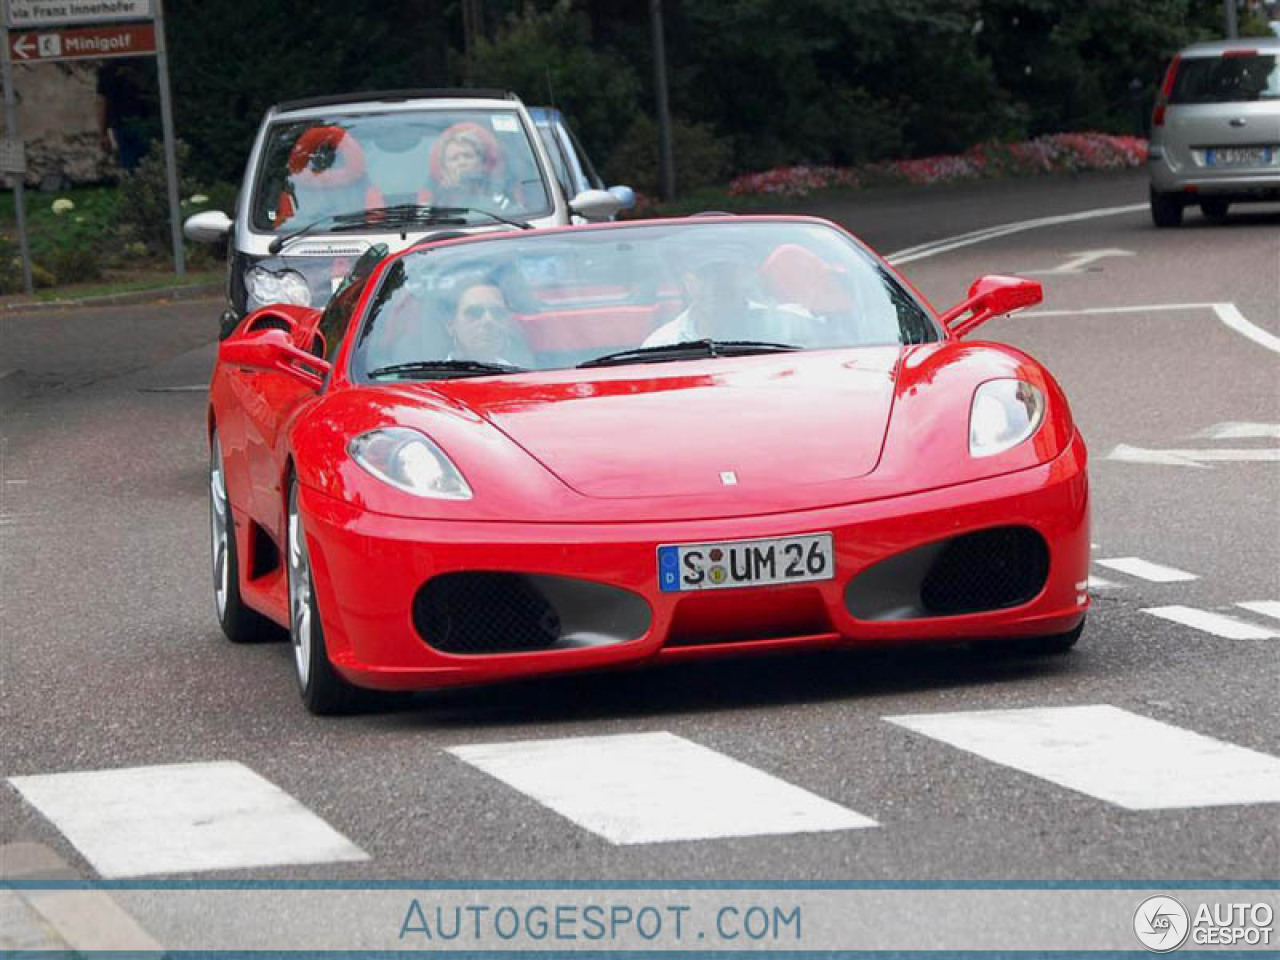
column 1215, row 209
column 1054, row 645
column 1166, row 209
column 323, row 691
column 240, row 623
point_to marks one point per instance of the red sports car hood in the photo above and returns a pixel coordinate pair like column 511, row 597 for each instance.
column 690, row 428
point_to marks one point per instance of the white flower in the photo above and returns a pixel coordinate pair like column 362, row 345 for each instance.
column 62, row 205
column 199, row 198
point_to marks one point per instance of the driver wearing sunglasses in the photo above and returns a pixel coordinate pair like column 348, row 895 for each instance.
column 483, row 329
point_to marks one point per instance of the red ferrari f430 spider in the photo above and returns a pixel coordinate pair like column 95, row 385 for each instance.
column 533, row 452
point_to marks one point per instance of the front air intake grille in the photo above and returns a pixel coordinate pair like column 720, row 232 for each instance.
column 988, row 570
column 485, row 612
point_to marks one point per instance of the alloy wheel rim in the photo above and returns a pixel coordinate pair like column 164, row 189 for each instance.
column 219, row 531
column 299, row 595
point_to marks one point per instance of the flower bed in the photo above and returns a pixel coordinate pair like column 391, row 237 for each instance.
column 1052, row 153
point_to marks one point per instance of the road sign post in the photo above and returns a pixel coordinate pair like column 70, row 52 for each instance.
column 44, row 31
column 170, row 145
column 19, row 177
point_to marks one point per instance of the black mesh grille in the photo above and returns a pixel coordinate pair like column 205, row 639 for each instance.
column 269, row 322
column 987, row 570
column 485, row 612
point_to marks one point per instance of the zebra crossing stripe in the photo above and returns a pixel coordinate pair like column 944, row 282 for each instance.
column 1145, row 570
column 182, row 818
column 1110, row 754
column 656, row 787
column 1268, row 608
column 1218, row 624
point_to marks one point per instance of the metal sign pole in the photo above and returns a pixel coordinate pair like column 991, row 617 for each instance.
column 170, row 146
column 11, row 130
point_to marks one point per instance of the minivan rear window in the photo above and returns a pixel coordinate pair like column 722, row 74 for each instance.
column 1233, row 78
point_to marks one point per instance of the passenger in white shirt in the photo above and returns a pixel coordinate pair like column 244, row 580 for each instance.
column 720, row 306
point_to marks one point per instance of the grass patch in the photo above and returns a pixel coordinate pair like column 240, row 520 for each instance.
column 158, row 281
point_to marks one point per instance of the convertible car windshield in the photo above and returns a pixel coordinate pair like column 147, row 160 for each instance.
column 631, row 294
column 333, row 166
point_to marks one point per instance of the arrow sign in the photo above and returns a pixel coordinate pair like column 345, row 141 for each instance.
column 76, row 43
column 1079, row 262
column 23, row 46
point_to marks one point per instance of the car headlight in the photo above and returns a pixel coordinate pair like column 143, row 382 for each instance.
column 286, row 286
column 1004, row 413
column 409, row 461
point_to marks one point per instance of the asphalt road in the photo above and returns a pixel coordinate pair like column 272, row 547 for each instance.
column 111, row 657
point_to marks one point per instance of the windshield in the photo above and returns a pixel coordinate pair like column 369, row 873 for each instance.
column 328, row 166
column 1227, row 79
column 547, row 301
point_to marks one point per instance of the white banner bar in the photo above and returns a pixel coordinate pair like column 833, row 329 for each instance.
column 707, row 920
column 47, row 13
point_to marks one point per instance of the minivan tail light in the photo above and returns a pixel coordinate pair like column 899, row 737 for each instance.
column 1166, row 88
column 1170, row 75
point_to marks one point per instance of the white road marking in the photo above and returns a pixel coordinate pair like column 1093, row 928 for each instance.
column 1268, row 608
column 1101, row 583
column 182, row 818
column 656, row 787
column 1132, row 308
column 1240, row 430
column 1145, row 570
column 1228, row 313
column 947, row 244
column 1111, row 754
column 1192, row 458
column 1079, row 262
column 1218, row 624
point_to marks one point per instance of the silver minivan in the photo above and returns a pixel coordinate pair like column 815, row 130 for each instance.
column 331, row 178
column 1215, row 132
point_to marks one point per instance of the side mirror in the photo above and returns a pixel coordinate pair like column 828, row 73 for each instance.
column 595, row 205
column 273, row 349
column 625, row 196
column 208, row 227
column 991, row 296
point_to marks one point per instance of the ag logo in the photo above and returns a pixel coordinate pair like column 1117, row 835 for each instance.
column 1161, row 924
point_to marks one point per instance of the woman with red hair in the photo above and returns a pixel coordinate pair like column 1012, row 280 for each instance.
column 467, row 169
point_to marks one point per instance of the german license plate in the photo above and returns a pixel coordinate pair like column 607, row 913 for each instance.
column 1238, row 156
column 745, row 563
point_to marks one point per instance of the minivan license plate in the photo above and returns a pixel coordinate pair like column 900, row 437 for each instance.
column 745, row 563
column 1238, row 156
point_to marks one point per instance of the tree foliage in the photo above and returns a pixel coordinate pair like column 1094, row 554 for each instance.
column 752, row 82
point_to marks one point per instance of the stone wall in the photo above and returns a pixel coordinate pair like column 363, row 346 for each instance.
column 57, row 118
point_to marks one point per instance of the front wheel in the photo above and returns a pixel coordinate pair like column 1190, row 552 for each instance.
column 238, row 622
column 322, row 689
column 1166, row 209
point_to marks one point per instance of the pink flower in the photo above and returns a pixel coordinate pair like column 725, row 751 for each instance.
column 1051, row 153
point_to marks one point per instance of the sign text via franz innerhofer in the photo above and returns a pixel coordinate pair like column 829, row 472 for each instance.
column 42, row 13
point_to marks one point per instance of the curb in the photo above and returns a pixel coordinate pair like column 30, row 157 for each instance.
column 190, row 291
